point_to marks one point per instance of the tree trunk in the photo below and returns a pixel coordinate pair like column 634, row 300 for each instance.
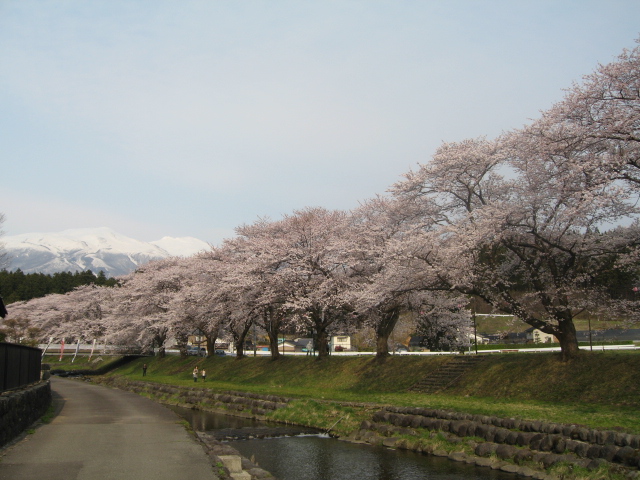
column 181, row 340
column 239, row 340
column 568, row 339
column 159, row 338
column 273, row 344
column 271, row 324
column 382, row 346
column 383, row 331
column 322, row 319
column 211, row 338
column 323, row 342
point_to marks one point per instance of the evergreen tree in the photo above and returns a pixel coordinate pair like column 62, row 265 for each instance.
column 17, row 286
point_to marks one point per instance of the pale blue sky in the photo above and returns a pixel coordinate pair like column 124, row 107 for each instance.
column 189, row 118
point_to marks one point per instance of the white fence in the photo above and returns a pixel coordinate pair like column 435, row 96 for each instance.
column 101, row 349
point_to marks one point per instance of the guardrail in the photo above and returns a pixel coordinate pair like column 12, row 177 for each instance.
column 599, row 348
column 19, row 365
column 88, row 349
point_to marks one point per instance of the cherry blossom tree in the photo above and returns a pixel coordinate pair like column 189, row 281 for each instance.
column 218, row 300
column 376, row 300
column 380, row 290
column 20, row 330
column 45, row 313
column 299, row 263
column 261, row 277
column 199, row 307
column 528, row 245
column 144, row 312
column 75, row 316
column 598, row 121
column 444, row 322
column 318, row 269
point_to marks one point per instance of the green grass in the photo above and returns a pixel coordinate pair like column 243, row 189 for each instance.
column 48, row 415
column 592, row 378
column 81, row 362
column 599, row 390
column 327, row 416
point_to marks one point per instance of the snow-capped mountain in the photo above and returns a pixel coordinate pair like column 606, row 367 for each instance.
column 92, row 249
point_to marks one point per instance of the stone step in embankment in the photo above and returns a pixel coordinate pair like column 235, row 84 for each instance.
column 234, row 466
column 447, row 374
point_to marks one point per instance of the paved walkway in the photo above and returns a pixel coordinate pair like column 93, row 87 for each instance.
column 106, row 434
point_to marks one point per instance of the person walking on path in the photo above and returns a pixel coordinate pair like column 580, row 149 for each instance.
column 144, row 370
column 204, row 375
column 195, row 374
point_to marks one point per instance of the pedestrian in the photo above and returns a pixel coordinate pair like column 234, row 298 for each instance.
column 195, row 374
column 204, row 375
column 144, row 370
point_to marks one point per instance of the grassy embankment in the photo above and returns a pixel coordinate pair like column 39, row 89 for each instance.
column 599, row 390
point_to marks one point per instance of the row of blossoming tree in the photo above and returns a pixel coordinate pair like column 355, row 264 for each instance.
column 534, row 223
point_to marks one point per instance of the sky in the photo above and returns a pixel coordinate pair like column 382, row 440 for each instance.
column 190, row 118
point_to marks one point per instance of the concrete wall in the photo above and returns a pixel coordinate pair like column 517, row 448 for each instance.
column 20, row 408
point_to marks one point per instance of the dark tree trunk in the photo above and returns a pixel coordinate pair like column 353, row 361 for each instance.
column 239, row 340
column 159, row 338
column 383, row 331
column 181, row 339
column 382, row 346
column 271, row 323
column 211, row 338
column 323, row 342
column 240, row 349
column 273, row 345
column 568, row 339
column 322, row 319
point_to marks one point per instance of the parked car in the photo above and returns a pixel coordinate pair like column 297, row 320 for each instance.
column 197, row 352
column 401, row 348
column 222, row 353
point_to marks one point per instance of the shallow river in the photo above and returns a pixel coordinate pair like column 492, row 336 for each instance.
column 319, row 457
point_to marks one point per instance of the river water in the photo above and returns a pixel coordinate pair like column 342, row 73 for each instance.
column 312, row 456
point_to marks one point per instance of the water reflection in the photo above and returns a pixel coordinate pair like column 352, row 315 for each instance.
column 204, row 421
column 317, row 458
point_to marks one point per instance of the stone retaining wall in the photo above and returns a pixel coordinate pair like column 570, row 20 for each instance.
column 234, row 402
column 20, row 408
column 573, row 432
column 510, row 439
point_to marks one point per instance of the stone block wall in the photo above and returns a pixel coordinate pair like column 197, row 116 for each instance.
column 245, row 403
column 509, row 439
column 21, row 407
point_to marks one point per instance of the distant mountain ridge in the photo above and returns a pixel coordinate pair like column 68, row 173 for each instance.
column 92, row 249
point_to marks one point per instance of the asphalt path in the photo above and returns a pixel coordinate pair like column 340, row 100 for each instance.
column 101, row 433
